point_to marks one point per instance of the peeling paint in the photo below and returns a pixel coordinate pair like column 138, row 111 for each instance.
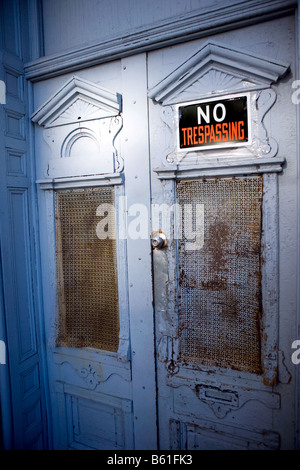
column 220, row 285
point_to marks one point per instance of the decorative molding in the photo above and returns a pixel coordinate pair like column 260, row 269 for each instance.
column 224, row 400
column 78, row 150
column 92, row 373
column 168, row 32
column 217, row 70
column 73, row 137
column 77, row 101
column 79, row 110
column 81, row 124
column 212, row 72
column 90, row 376
column 221, row 167
column 190, row 436
column 213, row 82
column 110, row 411
column 81, row 181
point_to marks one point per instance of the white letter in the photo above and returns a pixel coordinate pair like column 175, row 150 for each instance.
column 295, row 95
column 106, row 227
column 189, row 233
column 2, row 92
column 138, row 228
column 205, row 116
column 122, row 219
column 165, row 217
column 296, row 354
column 219, row 105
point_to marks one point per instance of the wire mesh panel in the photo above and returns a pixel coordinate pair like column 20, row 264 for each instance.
column 220, row 283
column 88, row 314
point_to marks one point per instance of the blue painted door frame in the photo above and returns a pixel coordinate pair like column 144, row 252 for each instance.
column 23, row 392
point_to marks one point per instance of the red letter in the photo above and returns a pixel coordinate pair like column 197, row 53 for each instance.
column 200, row 134
column 241, row 130
column 234, row 130
column 225, row 132
column 194, row 135
column 206, row 132
column 184, row 135
column 218, row 133
column 190, row 135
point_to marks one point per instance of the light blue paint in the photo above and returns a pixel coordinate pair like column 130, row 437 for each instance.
column 22, row 386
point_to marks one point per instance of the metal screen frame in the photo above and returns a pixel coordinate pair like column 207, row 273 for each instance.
column 87, row 300
column 212, row 298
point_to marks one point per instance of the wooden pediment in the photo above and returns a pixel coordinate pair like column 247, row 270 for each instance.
column 78, row 101
column 217, row 70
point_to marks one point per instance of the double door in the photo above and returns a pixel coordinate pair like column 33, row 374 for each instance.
column 160, row 267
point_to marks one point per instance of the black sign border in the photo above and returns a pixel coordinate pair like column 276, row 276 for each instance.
column 223, row 145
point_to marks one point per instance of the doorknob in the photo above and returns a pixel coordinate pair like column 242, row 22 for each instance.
column 159, row 240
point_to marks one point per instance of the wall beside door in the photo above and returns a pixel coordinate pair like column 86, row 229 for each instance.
column 23, row 391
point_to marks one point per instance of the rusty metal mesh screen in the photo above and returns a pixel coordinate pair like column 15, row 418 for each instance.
column 87, row 287
column 220, row 284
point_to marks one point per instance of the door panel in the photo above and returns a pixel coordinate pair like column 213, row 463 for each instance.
column 89, row 370
column 216, row 287
column 97, row 280
column 210, row 361
column 203, row 361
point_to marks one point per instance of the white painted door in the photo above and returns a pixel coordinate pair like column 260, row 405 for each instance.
column 90, row 139
column 204, row 362
column 224, row 372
